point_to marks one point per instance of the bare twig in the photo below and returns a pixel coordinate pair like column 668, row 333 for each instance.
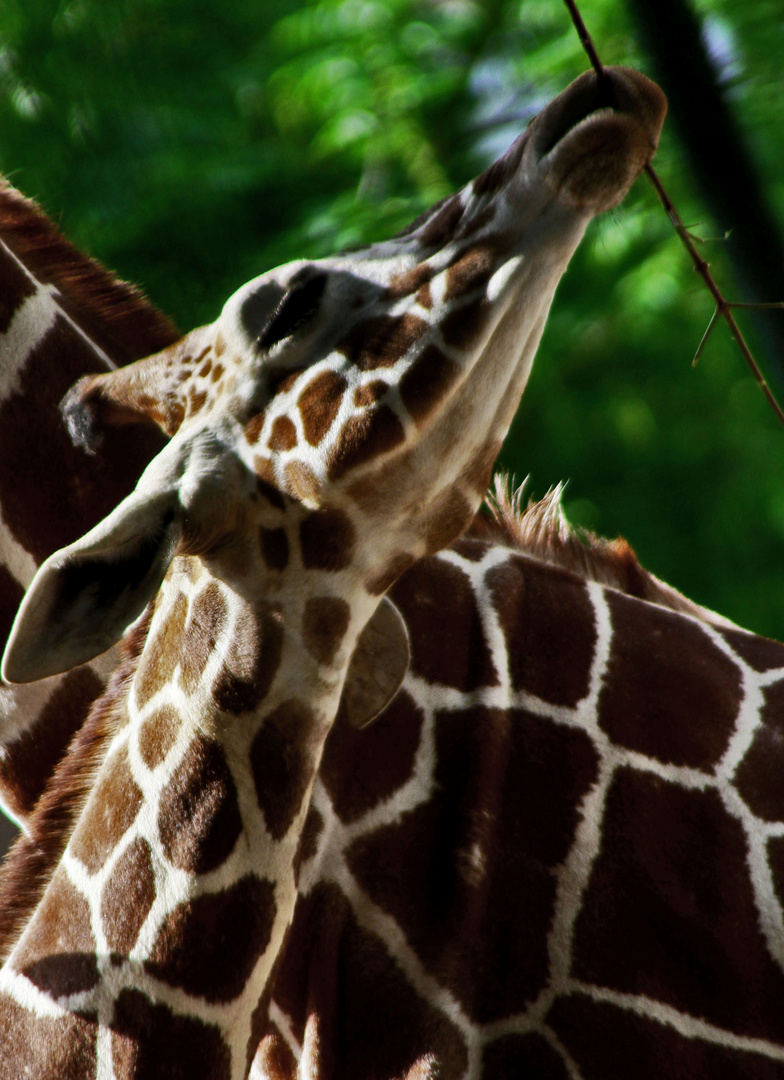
column 723, row 307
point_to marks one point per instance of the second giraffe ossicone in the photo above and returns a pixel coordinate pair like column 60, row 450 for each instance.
column 337, row 422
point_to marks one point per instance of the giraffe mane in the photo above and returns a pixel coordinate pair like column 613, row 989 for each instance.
column 32, row 859
column 540, row 529
column 116, row 315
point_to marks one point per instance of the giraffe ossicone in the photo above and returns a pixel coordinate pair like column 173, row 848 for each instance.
column 338, row 422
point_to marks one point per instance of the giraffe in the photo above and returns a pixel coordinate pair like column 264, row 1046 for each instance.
column 693, row 999
column 337, row 423
column 559, row 856
column 61, row 317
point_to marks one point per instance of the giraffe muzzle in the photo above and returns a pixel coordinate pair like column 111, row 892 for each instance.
column 596, row 137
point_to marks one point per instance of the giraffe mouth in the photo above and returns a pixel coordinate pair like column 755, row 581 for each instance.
column 594, row 138
column 620, row 93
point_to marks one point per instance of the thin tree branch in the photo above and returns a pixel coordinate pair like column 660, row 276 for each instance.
column 723, row 306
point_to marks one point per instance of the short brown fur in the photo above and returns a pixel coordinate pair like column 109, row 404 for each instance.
column 32, row 860
column 116, row 315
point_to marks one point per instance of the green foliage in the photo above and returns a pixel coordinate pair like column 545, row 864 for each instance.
column 193, row 145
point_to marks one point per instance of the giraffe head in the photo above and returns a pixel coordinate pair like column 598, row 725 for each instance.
column 363, row 396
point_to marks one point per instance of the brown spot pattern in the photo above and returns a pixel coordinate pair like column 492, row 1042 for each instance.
column 405, row 284
column 324, row 626
column 682, row 927
column 274, row 548
column 370, row 1019
column 209, row 946
column 252, row 661
column 11, row 594
column 443, row 870
column 253, row 428
column 282, row 760
column 327, row 539
column 382, row 756
column 41, row 1047
column 425, row 296
column 463, row 327
column 49, row 496
column 206, row 622
column 364, row 437
column 308, row 841
column 663, row 666
column 433, row 595
column 759, row 775
column 199, row 819
column 471, row 271
column 196, row 401
column 776, row 857
column 157, row 735
column 427, row 381
column 113, row 806
column 161, row 654
column 369, row 394
column 150, row 1043
column 283, row 435
column 522, row 1056
column 58, row 952
column 128, row 896
column 274, row 1059
column 548, row 624
column 761, row 653
column 603, row 1040
column 319, row 403
column 28, row 762
column 379, row 342
column 440, row 230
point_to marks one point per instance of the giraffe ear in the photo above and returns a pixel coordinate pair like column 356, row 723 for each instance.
column 83, row 598
column 378, row 666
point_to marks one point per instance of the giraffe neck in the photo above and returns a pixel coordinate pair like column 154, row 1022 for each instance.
column 183, row 894
column 62, row 316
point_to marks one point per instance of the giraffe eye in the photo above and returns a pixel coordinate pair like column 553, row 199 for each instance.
column 258, row 307
column 298, row 304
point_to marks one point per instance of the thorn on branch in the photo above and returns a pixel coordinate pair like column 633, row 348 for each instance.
column 705, row 336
